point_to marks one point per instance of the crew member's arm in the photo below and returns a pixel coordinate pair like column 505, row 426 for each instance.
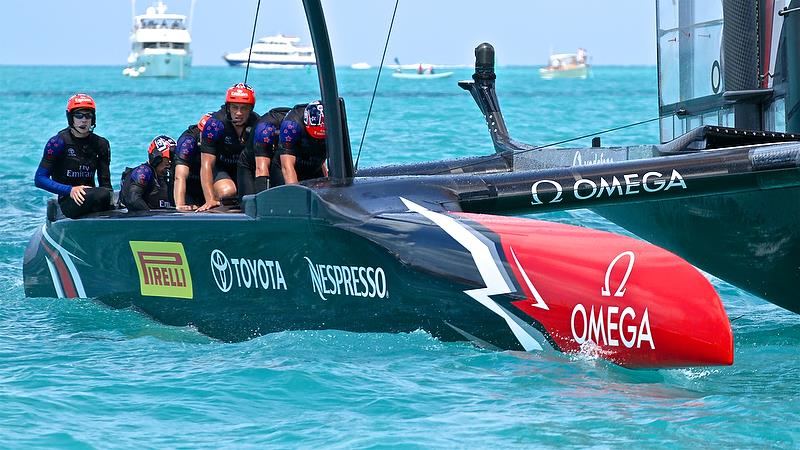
column 287, row 167
column 207, row 162
column 53, row 152
column 325, row 169
column 262, row 173
column 183, row 154
column 134, row 195
column 262, row 166
column 264, row 139
column 212, row 138
column 179, row 190
column 290, row 132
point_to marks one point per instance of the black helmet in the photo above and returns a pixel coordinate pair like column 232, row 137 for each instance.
column 160, row 147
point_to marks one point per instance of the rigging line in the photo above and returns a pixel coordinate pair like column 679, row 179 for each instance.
column 498, row 155
column 375, row 90
column 252, row 39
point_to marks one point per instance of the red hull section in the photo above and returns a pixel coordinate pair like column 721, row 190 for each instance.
column 622, row 299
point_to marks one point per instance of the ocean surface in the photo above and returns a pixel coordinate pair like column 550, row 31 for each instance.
column 75, row 374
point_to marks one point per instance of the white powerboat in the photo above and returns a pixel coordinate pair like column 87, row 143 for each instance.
column 159, row 44
column 421, row 76
column 566, row 65
column 277, row 51
column 420, row 72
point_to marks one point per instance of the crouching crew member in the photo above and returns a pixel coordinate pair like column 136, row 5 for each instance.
column 254, row 161
column 145, row 187
column 73, row 157
column 187, row 190
column 302, row 144
column 223, row 139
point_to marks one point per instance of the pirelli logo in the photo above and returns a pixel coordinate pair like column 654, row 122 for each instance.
column 163, row 269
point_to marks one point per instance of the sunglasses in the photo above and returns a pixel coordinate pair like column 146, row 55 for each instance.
column 83, row 115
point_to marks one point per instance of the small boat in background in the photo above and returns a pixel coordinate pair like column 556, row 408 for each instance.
column 566, row 65
column 421, row 72
column 421, row 76
column 360, row 66
column 159, row 44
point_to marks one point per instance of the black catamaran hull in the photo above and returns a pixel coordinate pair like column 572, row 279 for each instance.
column 749, row 239
column 309, row 261
column 409, row 247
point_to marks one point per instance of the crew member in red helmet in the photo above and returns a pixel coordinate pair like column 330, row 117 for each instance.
column 71, row 160
column 145, row 187
column 302, row 146
column 224, row 137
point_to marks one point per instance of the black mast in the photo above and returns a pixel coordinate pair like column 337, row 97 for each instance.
column 340, row 159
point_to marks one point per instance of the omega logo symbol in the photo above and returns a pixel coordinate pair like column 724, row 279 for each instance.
column 535, row 192
column 606, row 290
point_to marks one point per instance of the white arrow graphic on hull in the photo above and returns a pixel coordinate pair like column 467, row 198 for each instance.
column 495, row 283
column 539, row 300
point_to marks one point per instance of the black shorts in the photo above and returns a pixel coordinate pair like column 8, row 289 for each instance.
column 223, row 173
column 96, row 200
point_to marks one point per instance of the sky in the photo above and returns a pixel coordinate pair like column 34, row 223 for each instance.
column 523, row 32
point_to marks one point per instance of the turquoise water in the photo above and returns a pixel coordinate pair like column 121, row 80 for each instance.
column 74, row 374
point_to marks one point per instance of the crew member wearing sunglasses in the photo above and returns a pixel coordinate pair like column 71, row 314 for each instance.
column 301, row 146
column 71, row 160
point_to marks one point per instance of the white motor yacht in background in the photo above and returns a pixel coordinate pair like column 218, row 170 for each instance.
column 159, row 44
column 277, row 51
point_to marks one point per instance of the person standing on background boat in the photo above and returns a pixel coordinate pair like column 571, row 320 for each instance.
column 255, row 160
column 223, row 139
column 145, row 187
column 302, row 144
column 73, row 157
column 187, row 190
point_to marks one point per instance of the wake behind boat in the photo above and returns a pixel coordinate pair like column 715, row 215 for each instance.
column 276, row 51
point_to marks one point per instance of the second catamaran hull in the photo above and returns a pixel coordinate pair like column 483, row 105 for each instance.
column 750, row 240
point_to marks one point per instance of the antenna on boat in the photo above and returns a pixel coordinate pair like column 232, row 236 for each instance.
column 133, row 13
column 252, row 38
column 340, row 159
column 377, row 79
column 191, row 15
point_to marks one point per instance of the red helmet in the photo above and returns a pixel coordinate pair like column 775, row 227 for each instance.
column 202, row 123
column 314, row 120
column 241, row 93
column 80, row 101
column 160, row 148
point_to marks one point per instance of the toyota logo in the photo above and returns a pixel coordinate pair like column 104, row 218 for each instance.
column 221, row 269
